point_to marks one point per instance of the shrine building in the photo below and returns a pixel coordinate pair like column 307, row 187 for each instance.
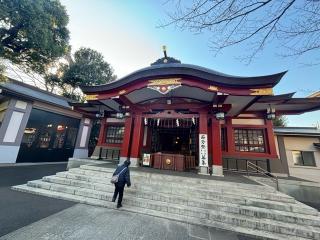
column 181, row 117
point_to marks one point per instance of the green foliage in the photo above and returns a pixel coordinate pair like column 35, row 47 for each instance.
column 2, row 70
column 33, row 33
column 280, row 121
column 88, row 68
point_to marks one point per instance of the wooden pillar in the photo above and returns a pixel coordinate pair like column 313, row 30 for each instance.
column 203, row 143
column 230, row 137
column 102, row 132
column 125, row 147
column 136, row 140
column 216, row 148
column 270, row 139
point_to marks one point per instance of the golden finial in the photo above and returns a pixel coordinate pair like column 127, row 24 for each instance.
column 164, row 49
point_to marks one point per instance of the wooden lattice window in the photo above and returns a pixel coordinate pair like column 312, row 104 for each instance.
column 249, row 140
column 114, row 134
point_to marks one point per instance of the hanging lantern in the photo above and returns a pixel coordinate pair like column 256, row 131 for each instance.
column 177, row 122
column 158, row 122
column 271, row 113
column 220, row 115
column 145, row 121
column 193, row 120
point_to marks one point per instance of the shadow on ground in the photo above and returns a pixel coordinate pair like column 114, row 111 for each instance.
column 20, row 209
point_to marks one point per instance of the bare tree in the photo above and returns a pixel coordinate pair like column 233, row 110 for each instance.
column 294, row 24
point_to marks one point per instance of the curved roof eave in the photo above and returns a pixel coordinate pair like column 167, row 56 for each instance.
column 192, row 71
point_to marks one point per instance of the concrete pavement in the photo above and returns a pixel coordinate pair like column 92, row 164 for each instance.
column 83, row 222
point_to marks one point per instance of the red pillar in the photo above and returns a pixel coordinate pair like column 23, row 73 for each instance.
column 125, row 147
column 136, row 140
column 203, row 152
column 271, row 141
column 102, row 132
column 230, row 137
column 216, row 148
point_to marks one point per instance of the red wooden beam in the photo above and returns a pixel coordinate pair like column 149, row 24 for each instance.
column 172, row 114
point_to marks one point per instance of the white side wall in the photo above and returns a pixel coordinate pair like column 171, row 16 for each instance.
column 303, row 144
column 8, row 153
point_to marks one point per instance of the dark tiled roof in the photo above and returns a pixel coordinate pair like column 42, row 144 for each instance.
column 297, row 131
column 27, row 91
column 191, row 71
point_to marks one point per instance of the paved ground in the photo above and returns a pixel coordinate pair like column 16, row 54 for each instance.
column 82, row 222
column 20, row 209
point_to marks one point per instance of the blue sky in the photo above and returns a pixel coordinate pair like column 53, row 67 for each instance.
column 126, row 33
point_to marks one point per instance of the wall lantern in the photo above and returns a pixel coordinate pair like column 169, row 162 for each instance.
column 271, row 113
column 119, row 115
column 220, row 115
column 100, row 114
column 127, row 114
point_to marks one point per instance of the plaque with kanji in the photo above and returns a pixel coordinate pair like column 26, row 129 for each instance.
column 203, row 150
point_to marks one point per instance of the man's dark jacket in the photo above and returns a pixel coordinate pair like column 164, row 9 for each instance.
column 124, row 177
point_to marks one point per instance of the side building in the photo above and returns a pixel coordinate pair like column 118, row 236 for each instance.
column 299, row 151
column 38, row 126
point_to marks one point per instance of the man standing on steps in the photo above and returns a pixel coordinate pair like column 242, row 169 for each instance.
column 123, row 179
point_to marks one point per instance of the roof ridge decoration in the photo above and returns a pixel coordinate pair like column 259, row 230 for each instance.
column 165, row 85
column 165, row 59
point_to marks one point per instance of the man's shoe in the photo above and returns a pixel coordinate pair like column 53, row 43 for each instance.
column 119, row 205
column 113, row 199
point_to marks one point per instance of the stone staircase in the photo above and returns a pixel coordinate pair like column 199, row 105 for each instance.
column 249, row 209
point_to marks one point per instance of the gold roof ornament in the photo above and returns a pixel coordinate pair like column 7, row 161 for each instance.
column 91, row 97
column 261, row 91
column 121, row 92
column 213, row 88
column 164, row 81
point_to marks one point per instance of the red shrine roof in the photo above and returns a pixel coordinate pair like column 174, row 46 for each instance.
column 186, row 87
column 167, row 70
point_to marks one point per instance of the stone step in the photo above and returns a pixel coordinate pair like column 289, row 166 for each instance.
column 171, row 178
column 227, row 218
column 201, row 203
column 297, row 207
column 176, row 217
column 205, row 194
column 184, row 181
column 176, row 188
